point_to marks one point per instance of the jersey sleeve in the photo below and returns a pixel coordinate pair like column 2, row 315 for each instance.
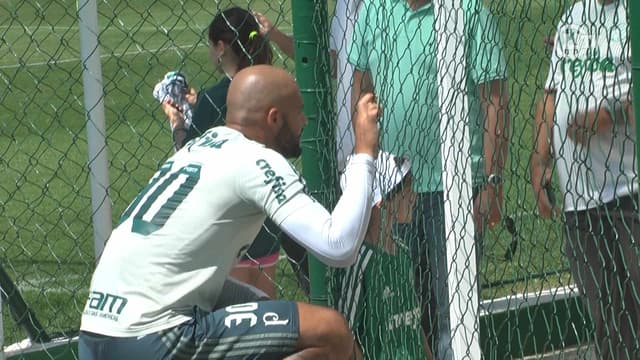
column 334, row 238
column 270, row 181
column 487, row 60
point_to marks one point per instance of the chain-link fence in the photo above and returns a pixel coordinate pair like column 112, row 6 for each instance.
column 525, row 279
column 47, row 239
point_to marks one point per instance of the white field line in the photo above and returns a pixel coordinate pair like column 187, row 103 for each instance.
column 164, row 28
column 44, row 285
column 128, row 53
column 26, row 346
column 75, row 59
column 522, row 300
column 76, row 27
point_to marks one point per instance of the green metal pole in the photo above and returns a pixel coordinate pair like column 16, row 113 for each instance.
column 311, row 44
column 634, row 29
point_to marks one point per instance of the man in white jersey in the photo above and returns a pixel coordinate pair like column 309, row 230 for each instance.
column 155, row 290
column 585, row 120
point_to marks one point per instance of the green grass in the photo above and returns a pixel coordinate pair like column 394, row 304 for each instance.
column 46, row 237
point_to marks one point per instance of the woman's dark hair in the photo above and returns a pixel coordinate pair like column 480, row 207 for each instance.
column 238, row 28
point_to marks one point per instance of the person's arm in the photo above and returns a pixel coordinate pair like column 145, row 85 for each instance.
column 284, row 41
column 272, row 184
column 542, row 156
column 334, row 238
column 600, row 120
column 176, row 122
column 362, row 84
column 268, row 30
column 488, row 69
column 495, row 106
column 175, row 114
column 589, row 123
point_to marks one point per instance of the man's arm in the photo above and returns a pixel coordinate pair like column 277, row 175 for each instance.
column 362, row 84
column 495, row 105
column 600, row 120
column 332, row 237
column 175, row 114
column 542, row 156
column 590, row 123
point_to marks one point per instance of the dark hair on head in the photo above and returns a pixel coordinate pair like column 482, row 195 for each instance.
column 238, row 28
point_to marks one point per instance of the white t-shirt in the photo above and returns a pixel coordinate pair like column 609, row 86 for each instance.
column 591, row 63
column 178, row 240
column 342, row 25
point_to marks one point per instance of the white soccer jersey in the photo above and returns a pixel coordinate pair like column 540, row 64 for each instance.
column 591, row 61
column 178, row 240
column 342, row 25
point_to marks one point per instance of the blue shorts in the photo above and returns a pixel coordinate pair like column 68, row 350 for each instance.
column 257, row 330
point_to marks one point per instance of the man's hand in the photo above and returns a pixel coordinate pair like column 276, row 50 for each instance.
column 487, row 207
column 589, row 123
column 175, row 112
column 365, row 125
column 540, row 180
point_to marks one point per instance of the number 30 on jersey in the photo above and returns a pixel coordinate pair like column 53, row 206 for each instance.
column 161, row 197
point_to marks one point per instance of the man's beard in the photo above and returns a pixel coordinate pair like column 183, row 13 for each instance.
column 289, row 143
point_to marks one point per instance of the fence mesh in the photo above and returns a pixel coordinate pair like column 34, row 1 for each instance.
column 46, row 232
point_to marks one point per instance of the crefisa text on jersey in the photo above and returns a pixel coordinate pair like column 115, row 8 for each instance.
column 272, row 178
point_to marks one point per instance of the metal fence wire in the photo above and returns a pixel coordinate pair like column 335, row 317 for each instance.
column 565, row 284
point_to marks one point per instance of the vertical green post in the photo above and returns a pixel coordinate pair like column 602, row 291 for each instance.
column 634, row 28
column 313, row 69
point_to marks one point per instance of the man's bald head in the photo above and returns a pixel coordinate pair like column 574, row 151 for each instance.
column 255, row 89
column 264, row 103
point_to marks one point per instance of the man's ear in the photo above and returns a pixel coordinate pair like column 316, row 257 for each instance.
column 274, row 118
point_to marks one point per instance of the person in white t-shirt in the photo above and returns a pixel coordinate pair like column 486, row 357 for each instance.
column 585, row 120
column 154, row 292
column 342, row 25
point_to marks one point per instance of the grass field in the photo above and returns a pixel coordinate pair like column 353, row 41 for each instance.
column 46, row 238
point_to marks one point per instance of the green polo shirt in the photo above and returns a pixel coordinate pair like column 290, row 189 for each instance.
column 397, row 46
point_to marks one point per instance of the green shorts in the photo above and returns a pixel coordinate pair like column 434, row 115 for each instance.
column 257, row 330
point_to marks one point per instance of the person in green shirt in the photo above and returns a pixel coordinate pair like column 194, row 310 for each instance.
column 234, row 44
column 379, row 304
column 394, row 53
